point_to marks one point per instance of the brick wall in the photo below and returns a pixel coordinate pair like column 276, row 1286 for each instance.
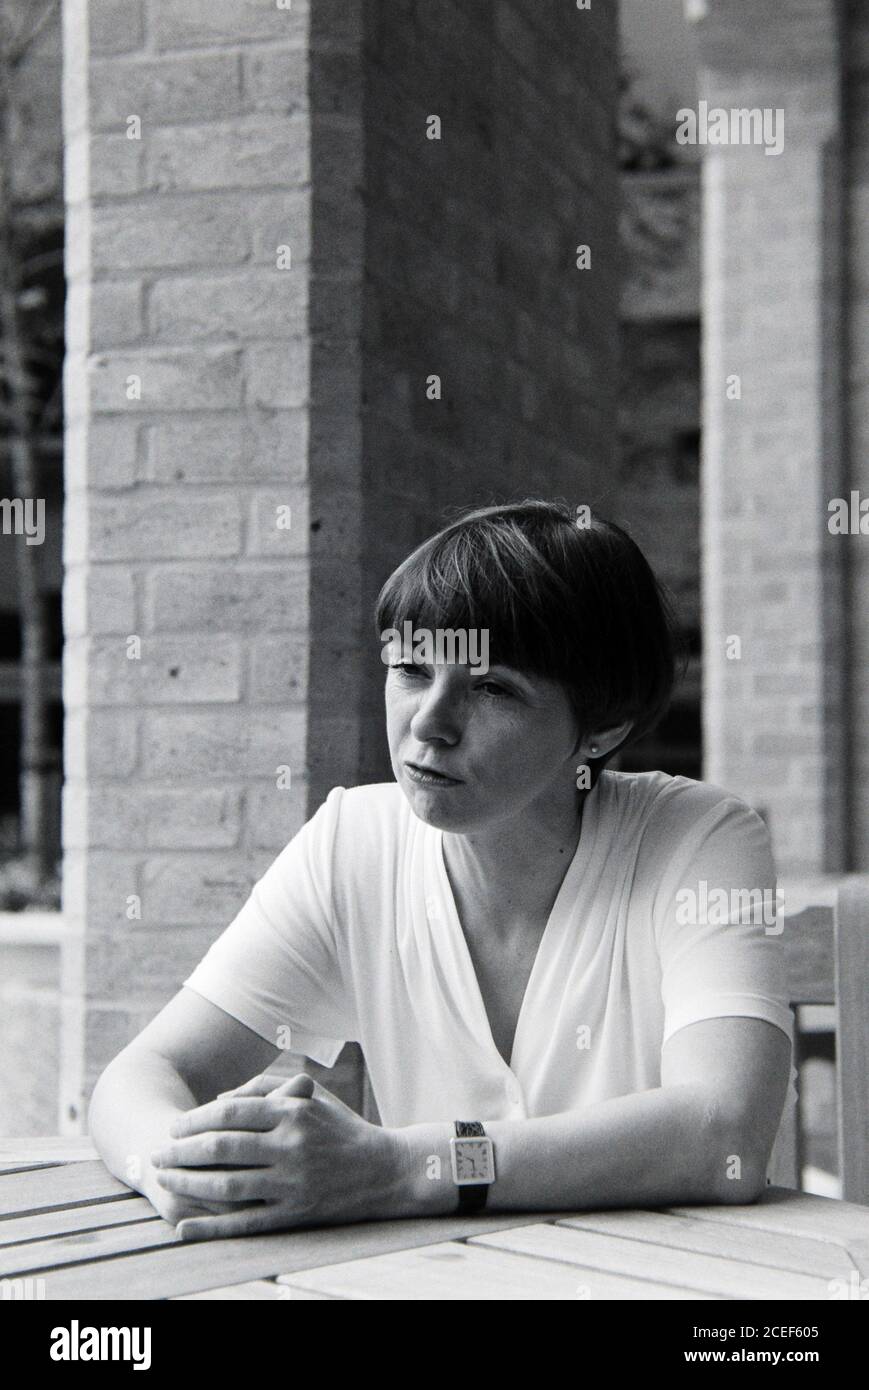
column 656, row 493
column 470, row 258
column 775, row 715
column 207, row 387
column 657, row 490
column 656, row 496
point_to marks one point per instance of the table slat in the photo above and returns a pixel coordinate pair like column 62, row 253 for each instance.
column 859, row 1252
column 782, row 1210
column 48, row 1255
column 658, row 1263
column 19, row 1167
column 823, row 1258
column 22, row 1193
column 45, row 1224
column 48, row 1148
column 193, row 1267
column 255, row 1289
column 452, row 1270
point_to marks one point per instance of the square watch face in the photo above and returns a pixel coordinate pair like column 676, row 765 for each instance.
column 472, row 1160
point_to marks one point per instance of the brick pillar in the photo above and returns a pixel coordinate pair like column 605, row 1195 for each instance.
column 774, row 712
column 208, row 387
column 188, row 399
column 856, row 105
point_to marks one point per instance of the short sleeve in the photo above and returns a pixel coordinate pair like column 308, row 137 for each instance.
column 716, row 925
column 276, row 967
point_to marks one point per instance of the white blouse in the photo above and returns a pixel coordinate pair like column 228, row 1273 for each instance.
column 353, row 933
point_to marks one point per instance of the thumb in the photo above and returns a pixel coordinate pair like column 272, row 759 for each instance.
column 259, row 1085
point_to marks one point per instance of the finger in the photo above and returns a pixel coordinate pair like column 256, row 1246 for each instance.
column 259, row 1085
column 201, row 1208
column 235, row 1112
column 242, row 1223
column 312, row 1090
column 302, row 1087
column 216, row 1208
column 239, row 1149
column 226, row 1185
column 322, row 1093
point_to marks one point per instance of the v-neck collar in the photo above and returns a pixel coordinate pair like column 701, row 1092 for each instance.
column 558, row 916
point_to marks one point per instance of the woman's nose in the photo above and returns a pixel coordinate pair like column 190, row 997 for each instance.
column 438, row 713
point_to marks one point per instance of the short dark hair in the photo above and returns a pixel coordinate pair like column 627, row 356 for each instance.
column 571, row 601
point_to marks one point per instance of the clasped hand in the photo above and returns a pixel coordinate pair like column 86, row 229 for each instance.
column 270, row 1156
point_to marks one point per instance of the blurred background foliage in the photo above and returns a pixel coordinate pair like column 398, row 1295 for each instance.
column 31, row 432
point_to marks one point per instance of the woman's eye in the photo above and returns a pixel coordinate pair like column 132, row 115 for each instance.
column 411, row 669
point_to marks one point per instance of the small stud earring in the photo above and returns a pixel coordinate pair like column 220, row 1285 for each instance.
column 593, row 747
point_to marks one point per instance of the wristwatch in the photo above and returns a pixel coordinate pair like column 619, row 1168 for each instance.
column 472, row 1156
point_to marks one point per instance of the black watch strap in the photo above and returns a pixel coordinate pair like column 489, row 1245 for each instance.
column 469, row 1129
column 473, row 1197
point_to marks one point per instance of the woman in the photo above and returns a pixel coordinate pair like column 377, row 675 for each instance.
column 518, row 937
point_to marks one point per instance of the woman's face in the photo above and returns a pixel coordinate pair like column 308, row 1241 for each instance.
column 506, row 738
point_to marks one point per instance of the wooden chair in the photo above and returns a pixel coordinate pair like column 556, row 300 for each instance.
column 825, row 938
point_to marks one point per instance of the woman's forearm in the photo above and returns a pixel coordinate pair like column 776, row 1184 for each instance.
column 653, row 1148
column 133, row 1104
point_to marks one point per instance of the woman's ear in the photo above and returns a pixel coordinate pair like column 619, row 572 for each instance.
column 597, row 745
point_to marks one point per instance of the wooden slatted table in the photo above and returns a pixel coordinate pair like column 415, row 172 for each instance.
column 69, row 1230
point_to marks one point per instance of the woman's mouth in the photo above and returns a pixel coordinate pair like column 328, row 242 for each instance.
column 427, row 778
